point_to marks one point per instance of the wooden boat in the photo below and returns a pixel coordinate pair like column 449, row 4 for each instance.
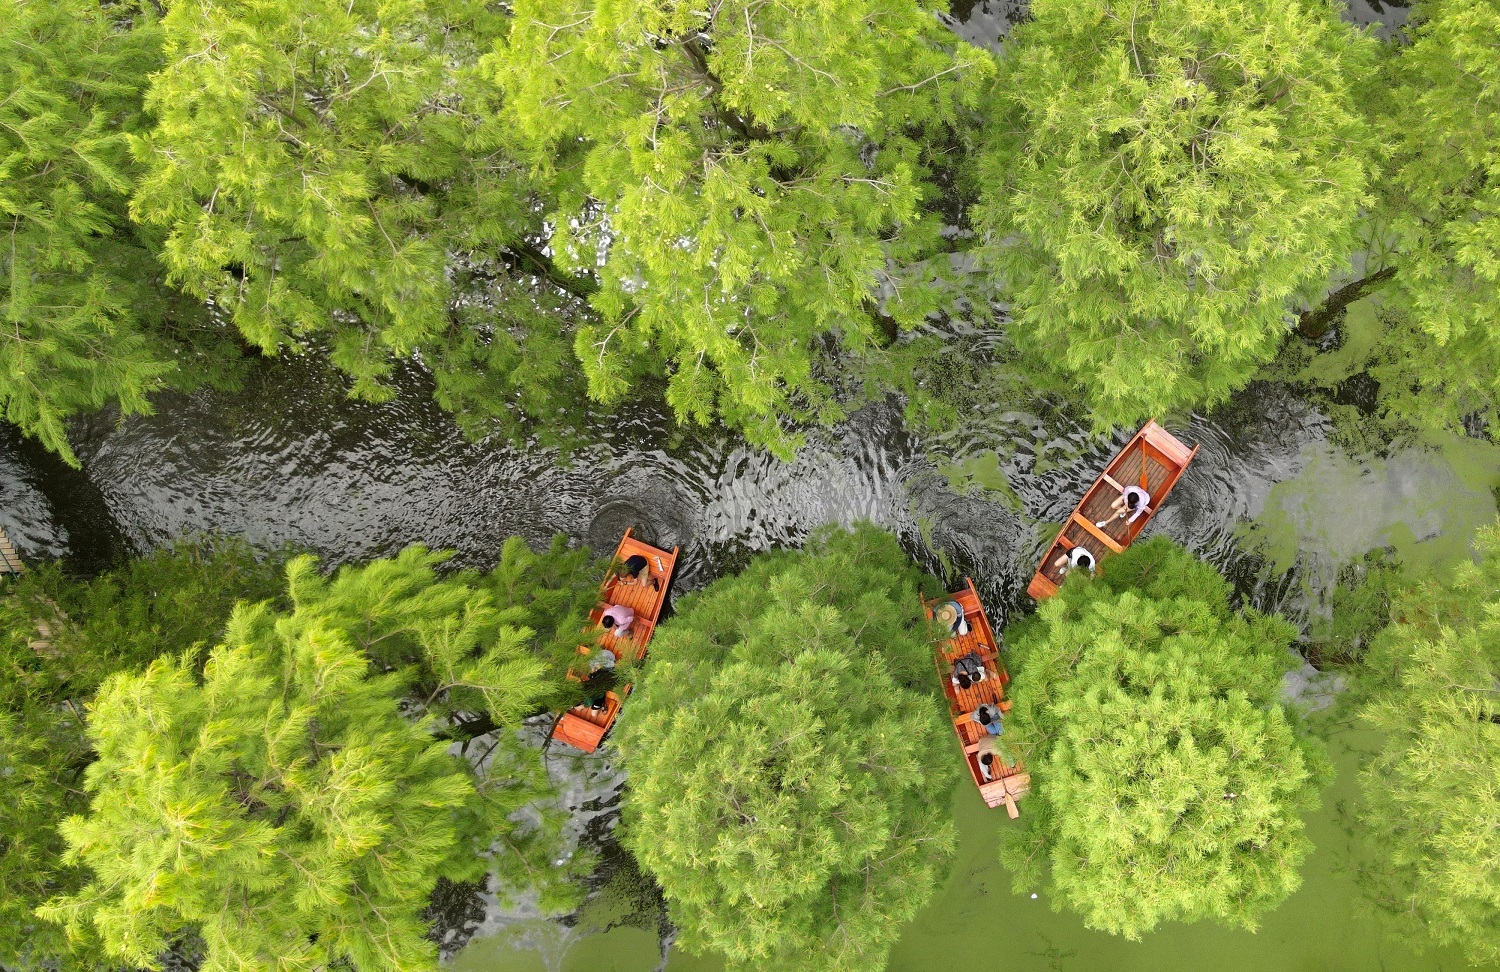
column 584, row 726
column 1010, row 783
column 1153, row 460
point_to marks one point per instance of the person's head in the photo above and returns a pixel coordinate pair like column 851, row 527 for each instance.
column 987, row 759
column 1084, row 560
column 984, row 715
column 963, row 679
column 608, row 621
column 1132, row 499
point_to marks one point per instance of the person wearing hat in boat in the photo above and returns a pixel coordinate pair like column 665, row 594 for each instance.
column 991, row 755
column 617, row 618
column 951, row 616
column 988, row 716
column 1132, row 502
column 634, row 570
column 1079, row 556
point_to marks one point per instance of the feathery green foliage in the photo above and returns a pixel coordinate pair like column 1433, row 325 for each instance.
column 294, row 806
column 74, row 283
column 318, row 165
column 790, row 768
column 1438, row 108
column 1431, row 793
column 1165, row 179
column 59, row 639
column 742, row 177
column 1167, row 781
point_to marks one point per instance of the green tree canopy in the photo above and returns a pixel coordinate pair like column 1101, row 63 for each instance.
column 320, row 169
column 742, row 178
column 1167, row 781
column 294, row 805
column 1438, row 109
column 59, row 639
column 790, row 764
column 1431, row 793
column 75, row 285
column 1164, row 181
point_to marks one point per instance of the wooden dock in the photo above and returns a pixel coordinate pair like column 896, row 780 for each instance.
column 10, row 561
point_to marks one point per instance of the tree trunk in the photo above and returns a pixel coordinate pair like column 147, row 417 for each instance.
column 890, row 331
column 542, row 264
column 1314, row 323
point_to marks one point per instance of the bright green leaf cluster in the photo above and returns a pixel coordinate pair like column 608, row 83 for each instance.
column 1432, row 793
column 59, row 639
column 1438, row 109
column 294, row 805
column 1167, row 781
column 74, row 282
column 321, row 168
column 740, row 177
column 1165, row 180
column 789, row 761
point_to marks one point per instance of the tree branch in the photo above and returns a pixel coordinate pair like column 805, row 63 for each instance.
column 529, row 256
column 1314, row 323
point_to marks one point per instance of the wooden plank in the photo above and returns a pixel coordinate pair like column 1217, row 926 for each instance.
column 1111, row 481
column 1097, row 533
column 10, row 561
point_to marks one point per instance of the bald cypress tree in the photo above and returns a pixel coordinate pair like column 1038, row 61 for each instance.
column 76, row 294
column 1165, row 181
column 1431, row 799
column 743, row 179
column 332, row 175
column 1168, row 783
column 790, row 764
column 60, row 639
column 1437, row 105
column 292, row 805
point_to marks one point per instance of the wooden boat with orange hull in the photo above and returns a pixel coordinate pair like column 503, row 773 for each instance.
column 1153, row 460
column 584, row 726
column 1010, row 783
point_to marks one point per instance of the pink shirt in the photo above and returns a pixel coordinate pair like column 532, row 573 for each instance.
column 622, row 615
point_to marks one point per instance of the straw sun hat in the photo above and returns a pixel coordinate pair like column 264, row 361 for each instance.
column 947, row 614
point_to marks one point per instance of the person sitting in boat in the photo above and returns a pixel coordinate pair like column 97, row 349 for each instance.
column 1132, row 502
column 1077, row 557
column 993, row 754
column 988, row 716
column 634, row 570
column 951, row 616
column 617, row 618
column 601, row 659
column 968, row 670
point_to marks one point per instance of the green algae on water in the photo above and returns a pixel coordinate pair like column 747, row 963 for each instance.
column 981, row 472
column 1422, row 501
